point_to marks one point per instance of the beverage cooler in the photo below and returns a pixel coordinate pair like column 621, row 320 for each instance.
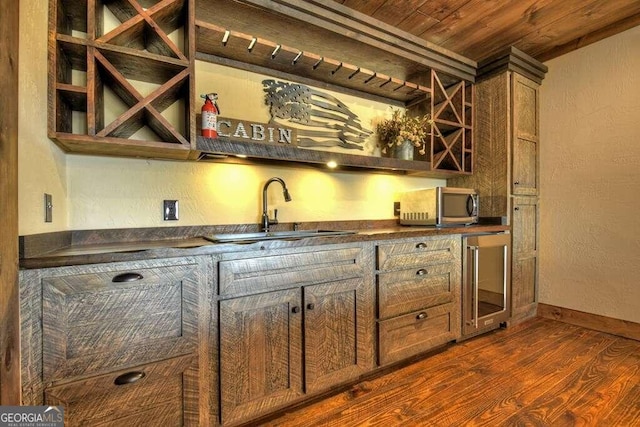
column 486, row 282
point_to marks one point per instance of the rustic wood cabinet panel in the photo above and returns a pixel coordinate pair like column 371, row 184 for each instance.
column 405, row 336
column 278, row 271
column 81, row 330
column 260, row 353
column 306, row 327
column 159, row 396
column 416, row 253
column 419, row 286
column 524, row 276
column 525, row 136
column 338, row 336
column 91, row 323
column 403, row 291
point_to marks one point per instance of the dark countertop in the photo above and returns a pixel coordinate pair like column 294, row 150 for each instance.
column 93, row 250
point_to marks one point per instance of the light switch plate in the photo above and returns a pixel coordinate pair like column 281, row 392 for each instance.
column 170, row 210
column 48, row 208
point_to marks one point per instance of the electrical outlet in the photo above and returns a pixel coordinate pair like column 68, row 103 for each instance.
column 170, row 210
column 48, row 208
column 396, row 208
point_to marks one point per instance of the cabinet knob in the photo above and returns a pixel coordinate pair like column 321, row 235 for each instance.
column 295, row 309
column 421, row 316
column 129, row 378
column 310, row 306
column 516, row 182
column 127, row 277
column 422, row 272
column 421, row 245
column 516, row 208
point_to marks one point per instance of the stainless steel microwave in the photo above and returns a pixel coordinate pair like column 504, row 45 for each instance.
column 439, row 206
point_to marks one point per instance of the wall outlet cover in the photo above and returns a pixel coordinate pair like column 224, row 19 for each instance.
column 396, row 208
column 48, row 208
column 170, row 210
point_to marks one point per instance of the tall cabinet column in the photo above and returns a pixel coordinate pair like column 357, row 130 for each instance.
column 9, row 304
column 506, row 167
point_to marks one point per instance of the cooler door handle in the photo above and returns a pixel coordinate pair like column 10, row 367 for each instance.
column 474, row 283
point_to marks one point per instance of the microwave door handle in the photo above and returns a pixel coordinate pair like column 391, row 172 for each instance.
column 472, row 205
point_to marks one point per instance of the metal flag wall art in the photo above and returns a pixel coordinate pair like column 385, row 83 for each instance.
column 321, row 120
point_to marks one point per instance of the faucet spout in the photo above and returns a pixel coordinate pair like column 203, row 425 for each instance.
column 266, row 221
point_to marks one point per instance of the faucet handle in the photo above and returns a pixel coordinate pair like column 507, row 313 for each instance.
column 275, row 216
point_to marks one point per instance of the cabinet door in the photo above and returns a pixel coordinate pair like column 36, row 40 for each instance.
column 525, row 136
column 339, row 327
column 525, row 254
column 260, row 353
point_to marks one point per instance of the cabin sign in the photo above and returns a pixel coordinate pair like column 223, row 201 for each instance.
column 256, row 132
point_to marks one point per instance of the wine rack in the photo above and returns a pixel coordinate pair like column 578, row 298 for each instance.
column 136, row 54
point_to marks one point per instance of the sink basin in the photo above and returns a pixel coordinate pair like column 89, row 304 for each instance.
column 273, row 235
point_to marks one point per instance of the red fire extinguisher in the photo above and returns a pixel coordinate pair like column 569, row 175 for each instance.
column 210, row 111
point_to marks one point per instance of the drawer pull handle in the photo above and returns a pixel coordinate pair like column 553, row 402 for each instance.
column 127, row 277
column 421, row 316
column 129, row 378
column 310, row 306
column 421, row 245
column 422, row 272
column 295, row 309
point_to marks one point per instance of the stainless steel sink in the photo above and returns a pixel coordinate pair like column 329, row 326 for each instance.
column 273, row 235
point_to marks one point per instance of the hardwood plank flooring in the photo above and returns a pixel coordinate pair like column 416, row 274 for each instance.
column 539, row 373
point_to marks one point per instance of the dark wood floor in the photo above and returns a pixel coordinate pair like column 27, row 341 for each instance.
column 540, row 373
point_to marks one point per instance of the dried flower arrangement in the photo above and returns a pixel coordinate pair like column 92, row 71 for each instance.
column 400, row 128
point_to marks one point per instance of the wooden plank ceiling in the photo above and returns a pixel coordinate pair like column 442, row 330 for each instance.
column 477, row 29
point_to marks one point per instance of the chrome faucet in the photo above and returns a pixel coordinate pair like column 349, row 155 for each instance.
column 266, row 221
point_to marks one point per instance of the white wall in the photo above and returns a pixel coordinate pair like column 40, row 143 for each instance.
column 590, row 179
column 100, row 192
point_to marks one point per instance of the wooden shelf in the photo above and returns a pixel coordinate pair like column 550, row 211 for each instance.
column 228, row 149
column 214, row 40
column 139, row 48
column 315, row 43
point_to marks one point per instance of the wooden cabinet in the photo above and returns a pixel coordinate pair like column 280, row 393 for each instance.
column 156, row 394
column 260, row 353
column 126, row 52
column 116, row 343
column 419, row 287
column 524, row 268
column 506, row 176
column 121, row 77
column 525, row 93
column 450, row 104
column 292, row 323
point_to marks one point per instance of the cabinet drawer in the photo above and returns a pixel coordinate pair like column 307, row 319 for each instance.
column 255, row 275
column 405, row 336
column 404, row 291
column 164, row 394
column 417, row 253
column 93, row 324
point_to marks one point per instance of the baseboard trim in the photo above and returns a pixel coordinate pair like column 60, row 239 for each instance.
column 622, row 328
